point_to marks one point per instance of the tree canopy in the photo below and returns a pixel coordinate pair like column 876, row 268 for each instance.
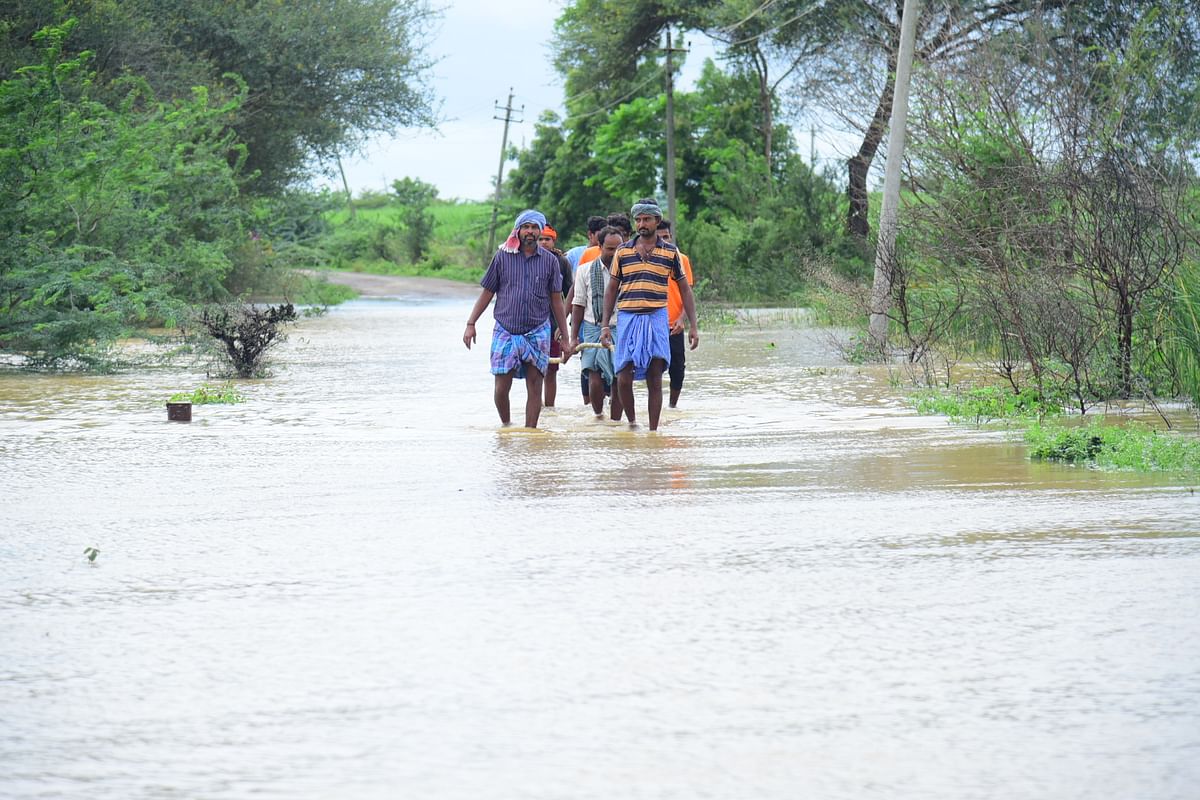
column 319, row 76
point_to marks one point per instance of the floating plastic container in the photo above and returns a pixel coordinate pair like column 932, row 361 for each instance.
column 179, row 412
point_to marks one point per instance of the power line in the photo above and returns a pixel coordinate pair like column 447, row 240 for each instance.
column 752, row 15
column 778, row 27
column 619, row 100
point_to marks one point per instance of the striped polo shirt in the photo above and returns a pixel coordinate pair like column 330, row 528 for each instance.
column 642, row 283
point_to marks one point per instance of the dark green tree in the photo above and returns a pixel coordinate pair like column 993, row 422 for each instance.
column 321, row 76
column 108, row 217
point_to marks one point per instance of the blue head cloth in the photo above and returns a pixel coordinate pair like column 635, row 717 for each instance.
column 530, row 215
column 513, row 243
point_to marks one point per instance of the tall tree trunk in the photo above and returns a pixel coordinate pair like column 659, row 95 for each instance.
column 1124, row 343
column 860, row 163
column 765, row 106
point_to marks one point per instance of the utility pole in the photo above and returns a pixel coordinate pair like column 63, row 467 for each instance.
column 885, row 250
column 671, row 135
column 346, row 186
column 508, row 117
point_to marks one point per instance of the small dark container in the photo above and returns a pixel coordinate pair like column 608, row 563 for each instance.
column 179, row 412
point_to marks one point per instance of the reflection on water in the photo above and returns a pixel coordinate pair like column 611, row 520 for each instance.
column 354, row 585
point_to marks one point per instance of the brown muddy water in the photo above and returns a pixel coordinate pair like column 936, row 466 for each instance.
column 354, row 586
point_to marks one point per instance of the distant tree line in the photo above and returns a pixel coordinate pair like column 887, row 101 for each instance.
column 1050, row 204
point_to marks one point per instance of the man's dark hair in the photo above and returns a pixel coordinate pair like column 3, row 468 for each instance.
column 621, row 221
column 664, row 225
column 595, row 224
column 607, row 231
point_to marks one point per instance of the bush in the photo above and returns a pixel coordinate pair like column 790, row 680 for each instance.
column 246, row 332
column 985, row 403
column 110, row 217
column 1134, row 447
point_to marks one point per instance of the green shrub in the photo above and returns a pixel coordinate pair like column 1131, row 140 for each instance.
column 110, row 217
column 1132, row 447
column 984, row 403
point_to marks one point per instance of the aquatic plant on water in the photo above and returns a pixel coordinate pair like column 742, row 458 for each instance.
column 208, row 395
column 1132, row 447
column 982, row 404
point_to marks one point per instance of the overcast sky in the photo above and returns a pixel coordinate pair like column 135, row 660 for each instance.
column 482, row 48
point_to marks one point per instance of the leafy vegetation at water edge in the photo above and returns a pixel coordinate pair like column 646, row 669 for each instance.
column 985, row 403
column 1132, row 447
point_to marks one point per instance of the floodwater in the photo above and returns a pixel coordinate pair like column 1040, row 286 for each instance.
column 355, row 586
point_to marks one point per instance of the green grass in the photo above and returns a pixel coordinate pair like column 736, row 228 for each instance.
column 983, row 404
column 1182, row 346
column 1133, row 447
column 208, row 395
column 377, row 242
column 320, row 292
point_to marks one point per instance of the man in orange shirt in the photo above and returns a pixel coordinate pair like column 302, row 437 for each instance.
column 675, row 317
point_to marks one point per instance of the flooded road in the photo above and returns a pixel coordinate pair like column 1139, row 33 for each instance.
column 355, row 586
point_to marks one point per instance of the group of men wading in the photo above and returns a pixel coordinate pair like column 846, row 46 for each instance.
column 628, row 300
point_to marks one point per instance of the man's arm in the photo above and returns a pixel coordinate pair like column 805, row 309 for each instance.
column 575, row 306
column 576, row 324
column 485, row 297
column 556, row 308
column 610, row 304
column 689, row 308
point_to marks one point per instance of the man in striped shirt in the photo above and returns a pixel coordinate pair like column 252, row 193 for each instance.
column 527, row 282
column 641, row 270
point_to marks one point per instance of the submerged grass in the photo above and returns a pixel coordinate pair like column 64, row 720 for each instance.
column 982, row 404
column 1133, row 447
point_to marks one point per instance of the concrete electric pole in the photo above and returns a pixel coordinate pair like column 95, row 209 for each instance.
column 885, row 250
column 508, row 110
column 670, row 51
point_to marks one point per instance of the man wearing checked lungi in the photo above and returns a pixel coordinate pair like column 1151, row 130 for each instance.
column 526, row 281
column 640, row 270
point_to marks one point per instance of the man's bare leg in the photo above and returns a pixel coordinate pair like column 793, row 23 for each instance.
column 551, row 384
column 596, row 391
column 675, row 395
column 615, row 406
column 625, row 388
column 533, row 395
column 500, row 396
column 654, row 374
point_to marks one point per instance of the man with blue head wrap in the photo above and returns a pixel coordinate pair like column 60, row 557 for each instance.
column 527, row 283
column 641, row 269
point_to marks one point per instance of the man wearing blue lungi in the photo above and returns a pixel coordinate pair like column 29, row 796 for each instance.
column 641, row 269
